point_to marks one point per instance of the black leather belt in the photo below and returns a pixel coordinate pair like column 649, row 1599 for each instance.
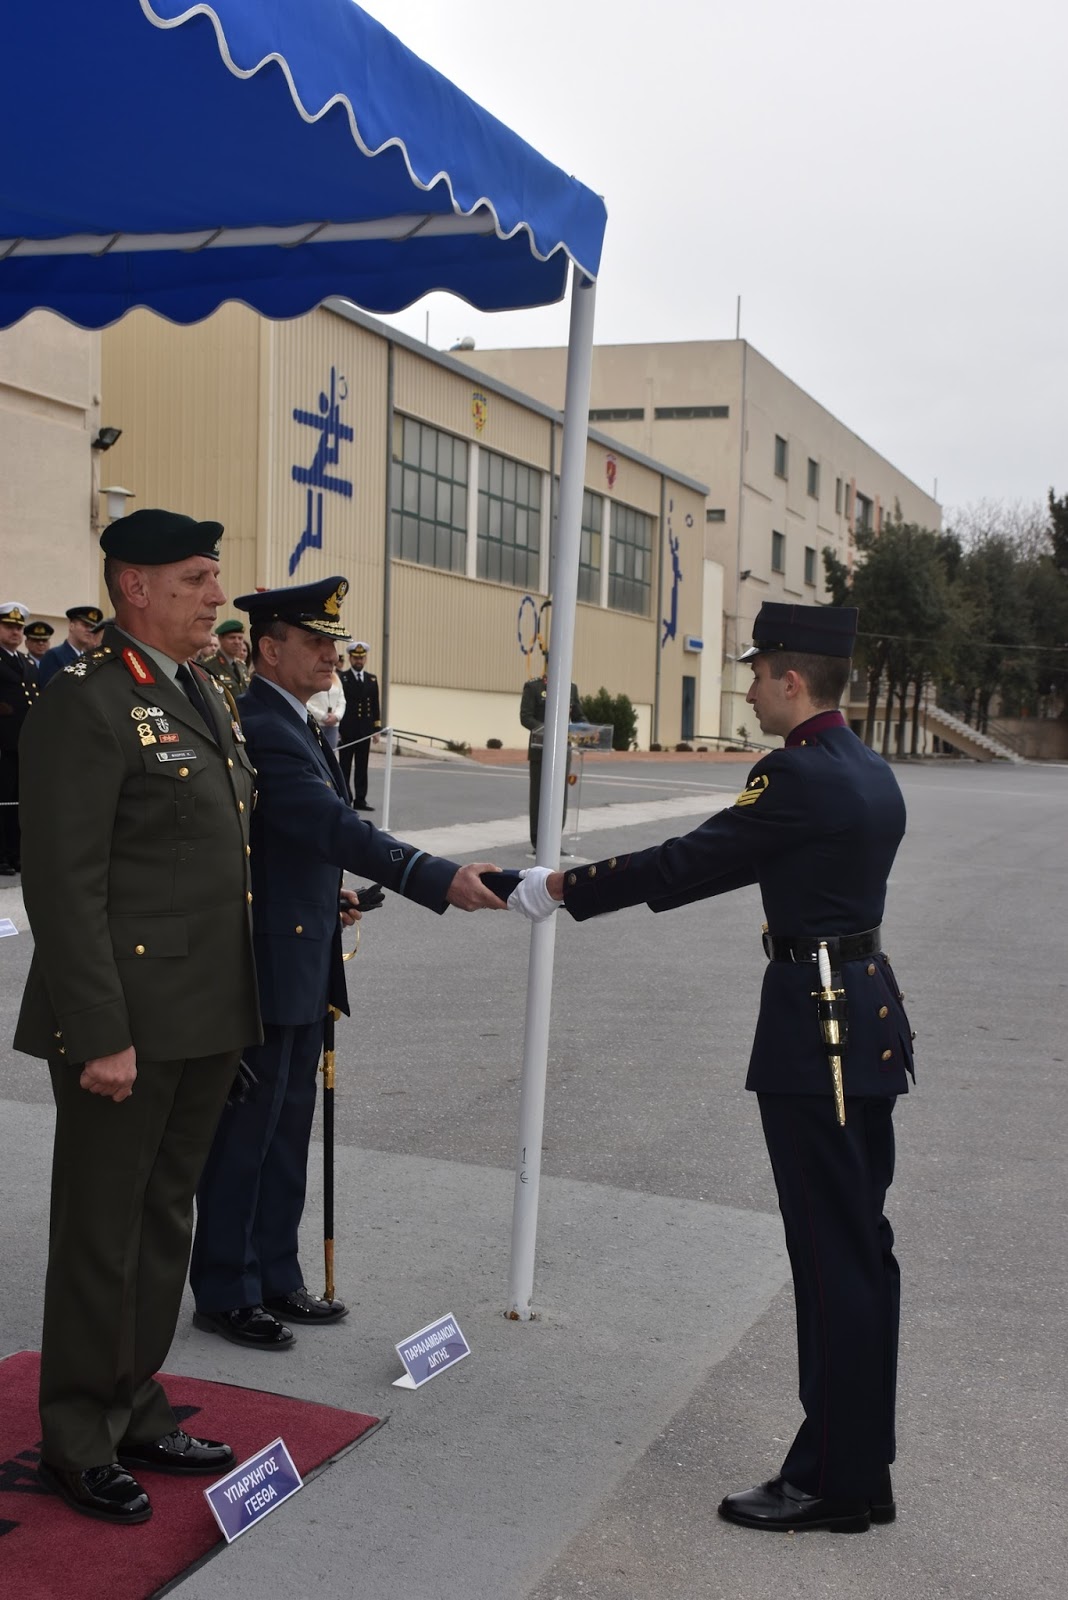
column 840, row 947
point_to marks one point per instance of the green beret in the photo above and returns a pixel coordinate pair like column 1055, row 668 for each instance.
column 231, row 626
column 156, row 538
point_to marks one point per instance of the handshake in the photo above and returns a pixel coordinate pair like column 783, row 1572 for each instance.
column 530, row 895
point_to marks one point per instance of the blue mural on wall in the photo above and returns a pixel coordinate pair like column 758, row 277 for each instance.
column 316, row 478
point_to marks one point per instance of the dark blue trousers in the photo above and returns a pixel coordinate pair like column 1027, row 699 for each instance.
column 832, row 1185
column 251, row 1197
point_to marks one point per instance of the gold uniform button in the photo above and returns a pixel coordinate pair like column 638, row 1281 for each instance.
column 612, row 862
column 871, row 969
column 61, row 1051
column 241, row 807
column 571, row 878
column 299, row 928
column 884, row 1011
column 183, row 772
column 248, row 897
column 248, row 849
column 229, row 761
column 887, row 1055
column 58, row 1034
column 139, row 949
column 591, row 872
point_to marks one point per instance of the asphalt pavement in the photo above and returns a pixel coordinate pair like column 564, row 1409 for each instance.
column 582, row 1455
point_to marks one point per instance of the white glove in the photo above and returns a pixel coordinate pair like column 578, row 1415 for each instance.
column 531, row 898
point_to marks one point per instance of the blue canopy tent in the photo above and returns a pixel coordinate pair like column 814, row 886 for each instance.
column 277, row 152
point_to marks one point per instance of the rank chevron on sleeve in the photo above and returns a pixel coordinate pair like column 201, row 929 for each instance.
column 753, row 790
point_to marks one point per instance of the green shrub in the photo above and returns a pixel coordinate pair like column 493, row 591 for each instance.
column 493, row 744
column 619, row 711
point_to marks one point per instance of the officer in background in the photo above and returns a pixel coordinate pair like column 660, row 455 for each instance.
column 817, row 826
column 532, row 716
column 83, row 628
column 227, row 662
column 36, row 636
column 245, row 1272
column 141, row 995
column 18, row 693
column 363, row 717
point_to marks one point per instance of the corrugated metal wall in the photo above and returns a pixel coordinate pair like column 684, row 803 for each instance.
column 188, row 402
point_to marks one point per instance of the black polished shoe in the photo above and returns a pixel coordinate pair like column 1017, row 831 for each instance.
column 777, row 1507
column 883, row 1508
column 251, row 1326
column 178, row 1452
column 106, row 1492
column 303, row 1306
column 362, row 805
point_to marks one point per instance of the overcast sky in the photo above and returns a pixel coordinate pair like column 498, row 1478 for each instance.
column 884, row 186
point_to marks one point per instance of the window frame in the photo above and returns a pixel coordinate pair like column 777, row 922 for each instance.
column 414, row 481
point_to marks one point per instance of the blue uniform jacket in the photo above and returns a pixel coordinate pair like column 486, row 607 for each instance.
column 817, row 827
column 54, row 660
column 303, row 833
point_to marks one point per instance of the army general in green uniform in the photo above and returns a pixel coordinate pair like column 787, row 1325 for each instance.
column 137, row 795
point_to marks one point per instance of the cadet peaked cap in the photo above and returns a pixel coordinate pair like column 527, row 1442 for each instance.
column 90, row 614
column 231, row 625
column 15, row 612
column 156, row 538
column 39, row 630
column 315, row 607
column 808, row 630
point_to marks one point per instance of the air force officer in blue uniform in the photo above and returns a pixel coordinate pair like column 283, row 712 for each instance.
column 245, row 1271
column 817, row 826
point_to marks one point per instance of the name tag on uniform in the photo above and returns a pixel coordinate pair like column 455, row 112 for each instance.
column 176, row 755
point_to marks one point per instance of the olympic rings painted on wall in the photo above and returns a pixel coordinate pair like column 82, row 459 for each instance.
column 538, row 638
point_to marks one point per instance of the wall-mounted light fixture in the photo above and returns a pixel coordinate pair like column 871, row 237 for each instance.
column 106, row 437
column 115, row 499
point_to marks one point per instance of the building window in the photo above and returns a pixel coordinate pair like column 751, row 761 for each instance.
column 838, row 497
column 847, row 501
column 630, row 574
column 778, row 552
column 813, row 478
column 429, row 489
column 864, row 511
column 715, row 514
column 782, row 457
column 617, row 414
column 688, row 413
column 509, row 521
column 589, row 577
column 810, row 566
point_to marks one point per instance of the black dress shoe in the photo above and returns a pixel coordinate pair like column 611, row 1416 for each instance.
column 883, row 1508
column 248, row 1325
column 361, row 805
column 303, row 1306
column 179, row 1452
column 778, row 1507
column 107, row 1492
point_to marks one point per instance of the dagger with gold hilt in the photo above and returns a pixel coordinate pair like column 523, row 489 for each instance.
column 831, row 1007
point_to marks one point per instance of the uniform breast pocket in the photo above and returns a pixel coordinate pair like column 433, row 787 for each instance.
column 172, row 779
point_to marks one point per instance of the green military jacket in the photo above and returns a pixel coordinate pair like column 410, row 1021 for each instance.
column 233, row 675
column 135, row 830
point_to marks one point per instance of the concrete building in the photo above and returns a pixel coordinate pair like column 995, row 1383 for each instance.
column 333, row 444
column 49, row 471
column 786, row 477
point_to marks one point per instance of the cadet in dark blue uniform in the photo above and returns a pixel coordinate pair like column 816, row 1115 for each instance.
column 817, row 826
column 245, row 1271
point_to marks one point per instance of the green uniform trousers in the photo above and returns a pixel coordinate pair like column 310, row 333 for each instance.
column 123, row 1179
column 534, row 757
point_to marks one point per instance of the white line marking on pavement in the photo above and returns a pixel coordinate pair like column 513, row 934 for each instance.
column 467, row 838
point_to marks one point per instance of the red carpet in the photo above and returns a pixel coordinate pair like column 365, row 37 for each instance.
column 48, row 1550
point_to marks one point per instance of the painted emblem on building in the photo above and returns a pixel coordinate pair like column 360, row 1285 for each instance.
column 611, row 467
column 479, row 409
column 318, row 479
column 671, row 623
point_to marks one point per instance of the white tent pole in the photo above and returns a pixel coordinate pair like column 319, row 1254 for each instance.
column 551, row 799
